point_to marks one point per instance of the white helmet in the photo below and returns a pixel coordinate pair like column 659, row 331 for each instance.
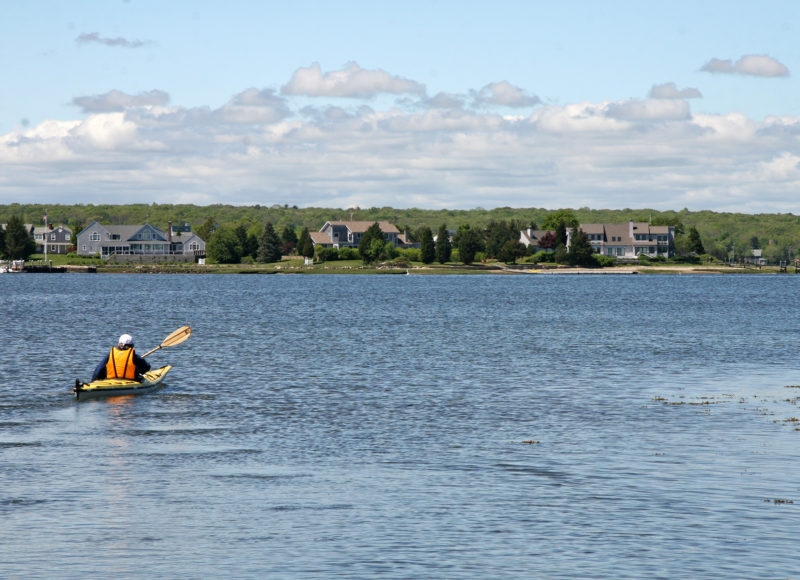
column 126, row 340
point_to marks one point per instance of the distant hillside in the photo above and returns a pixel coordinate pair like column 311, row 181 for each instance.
column 721, row 233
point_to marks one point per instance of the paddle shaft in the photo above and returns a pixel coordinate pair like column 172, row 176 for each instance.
column 174, row 338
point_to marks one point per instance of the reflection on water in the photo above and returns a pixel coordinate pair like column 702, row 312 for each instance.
column 404, row 426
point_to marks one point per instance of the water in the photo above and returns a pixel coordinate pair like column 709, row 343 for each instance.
column 404, row 427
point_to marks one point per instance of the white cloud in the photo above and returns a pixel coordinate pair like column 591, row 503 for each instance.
column 254, row 106
column 749, row 64
column 504, row 94
column 671, row 91
column 352, row 81
column 118, row 101
column 262, row 147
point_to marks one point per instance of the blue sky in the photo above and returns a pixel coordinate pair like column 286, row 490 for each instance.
column 423, row 104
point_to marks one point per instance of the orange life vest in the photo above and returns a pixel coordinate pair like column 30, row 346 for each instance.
column 120, row 364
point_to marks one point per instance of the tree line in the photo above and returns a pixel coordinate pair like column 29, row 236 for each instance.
column 721, row 235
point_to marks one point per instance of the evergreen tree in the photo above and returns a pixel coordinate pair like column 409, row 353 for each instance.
column 695, row 244
column 289, row 239
column 561, row 235
column 223, row 247
column 468, row 242
column 205, row 231
column 368, row 250
column 580, row 251
column 2, row 242
column 426, row 248
column 305, row 246
column 77, row 228
column 247, row 242
column 269, row 245
column 19, row 243
column 498, row 233
column 443, row 246
column 511, row 250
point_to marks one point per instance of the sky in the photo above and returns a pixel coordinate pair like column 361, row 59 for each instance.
column 427, row 104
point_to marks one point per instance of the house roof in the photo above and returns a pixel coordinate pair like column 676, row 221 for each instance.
column 363, row 226
column 535, row 235
column 621, row 233
column 320, row 238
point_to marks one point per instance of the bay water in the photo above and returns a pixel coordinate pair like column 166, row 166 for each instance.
column 378, row 426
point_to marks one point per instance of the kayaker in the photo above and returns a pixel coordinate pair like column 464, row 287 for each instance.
column 121, row 362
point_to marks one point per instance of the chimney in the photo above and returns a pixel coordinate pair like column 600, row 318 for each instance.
column 630, row 228
column 169, row 231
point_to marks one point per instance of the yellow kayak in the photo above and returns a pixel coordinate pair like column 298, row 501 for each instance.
column 113, row 387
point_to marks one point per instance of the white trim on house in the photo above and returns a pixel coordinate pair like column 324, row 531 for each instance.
column 629, row 240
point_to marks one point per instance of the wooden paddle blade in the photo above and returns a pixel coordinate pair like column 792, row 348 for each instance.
column 177, row 337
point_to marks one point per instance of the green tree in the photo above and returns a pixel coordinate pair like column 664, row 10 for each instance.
column 695, row 244
column 498, row 233
column 511, row 250
column 468, row 242
column 269, row 245
column 248, row 242
column 2, row 242
column 77, row 228
column 580, row 251
column 444, row 248
column 304, row 244
column 205, row 231
column 289, row 240
column 426, row 248
column 223, row 247
column 19, row 243
column 367, row 249
column 755, row 243
column 561, row 217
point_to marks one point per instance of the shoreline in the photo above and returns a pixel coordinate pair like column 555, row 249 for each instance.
column 418, row 270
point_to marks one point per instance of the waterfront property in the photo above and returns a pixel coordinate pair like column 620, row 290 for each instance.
column 534, row 239
column 341, row 234
column 130, row 241
column 629, row 240
column 57, row 238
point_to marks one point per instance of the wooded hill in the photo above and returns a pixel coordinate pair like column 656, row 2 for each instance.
column 721, row 233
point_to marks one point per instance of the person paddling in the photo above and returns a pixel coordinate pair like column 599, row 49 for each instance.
column 122, row 362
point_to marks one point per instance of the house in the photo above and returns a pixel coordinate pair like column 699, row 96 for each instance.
column 532, row 238
column 629, row 240
column 139, row 240
column 58, row 238
column 340, row 234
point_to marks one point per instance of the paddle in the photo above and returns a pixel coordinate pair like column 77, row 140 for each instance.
column 176, row 337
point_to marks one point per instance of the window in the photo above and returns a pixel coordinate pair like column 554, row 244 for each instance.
column 94, row 237
column 53, row 237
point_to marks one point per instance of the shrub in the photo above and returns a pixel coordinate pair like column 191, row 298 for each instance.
column 605, row 261
column 410, row 254
column 348, row 253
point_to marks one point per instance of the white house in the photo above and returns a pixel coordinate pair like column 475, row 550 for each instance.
column 629, row 240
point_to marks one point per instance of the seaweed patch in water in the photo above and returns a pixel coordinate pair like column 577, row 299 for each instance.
column 778, row 501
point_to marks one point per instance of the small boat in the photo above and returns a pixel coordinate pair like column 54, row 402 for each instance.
column 113, row 387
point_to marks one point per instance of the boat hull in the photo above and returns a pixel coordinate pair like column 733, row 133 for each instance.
column 115, row 387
